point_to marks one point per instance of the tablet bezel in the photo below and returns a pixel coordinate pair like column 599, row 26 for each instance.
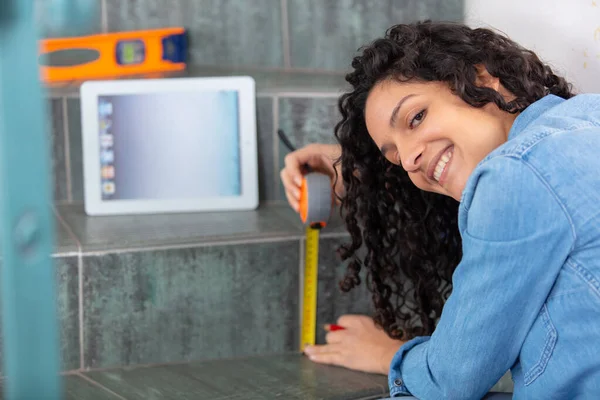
column 90, row 92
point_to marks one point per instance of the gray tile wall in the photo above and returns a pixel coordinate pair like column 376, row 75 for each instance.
column 291, row 34
column 318, row 37
column 331, row 301
column 190, row 304
column 229, row 32
column 325, row 34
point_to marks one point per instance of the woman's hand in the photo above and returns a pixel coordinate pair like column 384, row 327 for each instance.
column 320, row 157
column 360, row 346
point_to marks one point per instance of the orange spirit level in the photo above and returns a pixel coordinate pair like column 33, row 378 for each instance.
column 114, row 54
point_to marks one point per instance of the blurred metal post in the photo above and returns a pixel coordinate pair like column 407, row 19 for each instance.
column 29, row 317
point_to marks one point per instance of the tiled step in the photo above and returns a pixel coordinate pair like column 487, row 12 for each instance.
column 268, row 82
column 185, row 287
column 285, row 376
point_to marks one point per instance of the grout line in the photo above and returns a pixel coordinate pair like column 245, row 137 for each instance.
column 67, row 228
column 104, row 16
column 65, row 117
column 65, row 254
column 285, row 35
column 249, row 68
column 335, row 235
column 81, row 331
column 167, row 364
column 71, row 95
column 260, row 93
column 276, row 147
column 93, row 382
column 79, row 280
column 291, row 238
column 313, row 71
column 300, row 93
column 262, row 68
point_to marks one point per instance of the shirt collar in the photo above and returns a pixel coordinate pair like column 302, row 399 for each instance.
column 532, row 112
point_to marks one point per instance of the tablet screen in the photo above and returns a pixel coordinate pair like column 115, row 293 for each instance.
column 169, row 146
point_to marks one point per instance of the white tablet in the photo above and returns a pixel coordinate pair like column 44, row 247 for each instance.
column 169, row 145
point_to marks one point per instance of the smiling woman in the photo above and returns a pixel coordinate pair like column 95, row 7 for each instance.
column 465, row 159
column 434, row 135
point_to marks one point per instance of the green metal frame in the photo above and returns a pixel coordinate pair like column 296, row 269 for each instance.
column 29, row 318
column 31, row 359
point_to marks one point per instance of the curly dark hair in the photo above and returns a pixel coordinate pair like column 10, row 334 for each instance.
column 408, row 239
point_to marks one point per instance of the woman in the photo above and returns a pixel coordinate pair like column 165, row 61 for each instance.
column 465, row 159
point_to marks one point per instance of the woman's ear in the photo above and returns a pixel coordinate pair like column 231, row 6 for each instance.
column 484, row 79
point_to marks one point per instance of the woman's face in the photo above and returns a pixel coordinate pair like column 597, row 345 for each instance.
column 433, row 134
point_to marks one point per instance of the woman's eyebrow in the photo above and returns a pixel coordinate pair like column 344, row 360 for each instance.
column 397, row 108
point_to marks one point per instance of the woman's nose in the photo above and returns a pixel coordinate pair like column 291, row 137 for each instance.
column 413, row 157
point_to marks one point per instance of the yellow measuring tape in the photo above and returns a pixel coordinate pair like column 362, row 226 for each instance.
column 315, row 203
column 309, row 296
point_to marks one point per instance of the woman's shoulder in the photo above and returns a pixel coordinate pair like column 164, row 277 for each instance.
column 561, row 143
column 544, row 167
column 552, row 125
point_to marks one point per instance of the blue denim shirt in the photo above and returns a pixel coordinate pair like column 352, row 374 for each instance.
column 526, row 294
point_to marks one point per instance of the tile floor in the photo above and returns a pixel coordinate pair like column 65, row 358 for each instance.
column 285, row 376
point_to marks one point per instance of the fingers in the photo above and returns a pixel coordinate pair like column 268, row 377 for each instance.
column 325, row 354
column 328, row 358
column 292, row 191
column 349, row 320
column 334, row 337
column 293, row 171
column 293, row 167
column 291, row 177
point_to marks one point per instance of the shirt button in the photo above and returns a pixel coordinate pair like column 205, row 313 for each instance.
column 398, row 382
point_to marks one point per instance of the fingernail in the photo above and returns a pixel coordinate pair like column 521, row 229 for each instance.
column 307, row 351
column 296, row 193
column 298, row 181
column 335, row 327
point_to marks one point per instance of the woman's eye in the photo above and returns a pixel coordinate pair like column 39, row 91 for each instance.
column 416, row 120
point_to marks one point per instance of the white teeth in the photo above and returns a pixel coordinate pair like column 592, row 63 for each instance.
column 439, row 168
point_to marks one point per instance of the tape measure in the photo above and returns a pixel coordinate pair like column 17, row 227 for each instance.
column 309, row 291
column 113, row 54
column 316, row 199
column 315, row 208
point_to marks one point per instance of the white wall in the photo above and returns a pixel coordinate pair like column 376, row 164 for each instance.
column 564, row 33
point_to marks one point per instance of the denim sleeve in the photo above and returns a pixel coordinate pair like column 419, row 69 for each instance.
column 516, row 237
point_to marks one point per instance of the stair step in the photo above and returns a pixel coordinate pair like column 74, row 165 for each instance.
column 152, row 289
column 268, row 81
column 126, row 232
